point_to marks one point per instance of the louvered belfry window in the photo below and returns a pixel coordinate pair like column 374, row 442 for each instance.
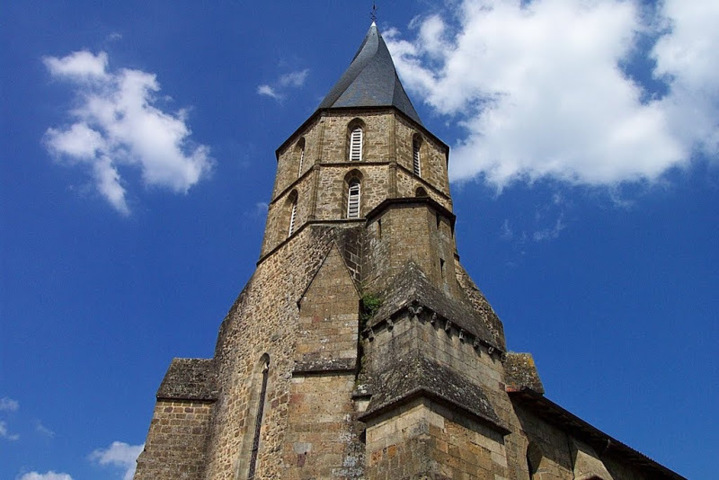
column 302, row 158
column 293, row 214
column 356, row 144
column 415, row 157
column 353, row 200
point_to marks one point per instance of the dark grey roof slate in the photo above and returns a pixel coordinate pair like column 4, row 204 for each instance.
column 190, row 379
column 371, row 80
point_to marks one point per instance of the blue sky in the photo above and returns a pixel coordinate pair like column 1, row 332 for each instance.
column 137, row 158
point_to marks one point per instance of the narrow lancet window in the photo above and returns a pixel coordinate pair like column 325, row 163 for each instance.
column 293, row 214
column 416, row 166
column 301, row 147
column 356, row 144
column 258, row 420
column 353, row 199
column 290, row 211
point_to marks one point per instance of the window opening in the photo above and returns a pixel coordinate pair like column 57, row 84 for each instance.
column 258, row 421
column 302, row 158
column 293, row 214
column 416, row 157
column 356, row 145
column 353, row 200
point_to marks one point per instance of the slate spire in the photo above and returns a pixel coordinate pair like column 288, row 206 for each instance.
column 371, row 80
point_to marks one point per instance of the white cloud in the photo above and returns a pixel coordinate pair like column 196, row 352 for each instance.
column 688, row 60
column 294, row 79
column 8, row 405
column 119, row 454
column 45, row 476
column 506, row 232
column 117, row 125
column 540, row 90
column 79, row 65
column 549, row 233
column 278, row 89
column 4, row 433
column 268, row 91
column 258, row 212
column 43, row 430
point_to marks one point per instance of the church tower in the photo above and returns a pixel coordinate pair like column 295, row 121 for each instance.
column 360, row 348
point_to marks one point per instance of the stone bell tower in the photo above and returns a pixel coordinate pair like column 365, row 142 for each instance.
column 360, row 347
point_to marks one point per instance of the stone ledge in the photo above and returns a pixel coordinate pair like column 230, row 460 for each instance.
column 324, row 365
column 521, row 373
column 189, row 379
column 411, row 201
column 410, row 289
column 417, row 377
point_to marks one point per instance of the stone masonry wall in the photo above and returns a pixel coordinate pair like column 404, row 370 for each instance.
column 332, row 188
column 288, row 157
column 446, row 348
column 176, row 444
column 407, row 184
column 323, row 437
column 443, row 347
column 377, row 137
column 264, row 320
column 328, row 319
column 620, row 471
column 425, row 440
column 433, row 155
column 410, row 232
column 279, row 211
column 398, row 446
column 376, row 256
column 557, row 455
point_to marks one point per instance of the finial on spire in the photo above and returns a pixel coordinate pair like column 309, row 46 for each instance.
column 373, row 15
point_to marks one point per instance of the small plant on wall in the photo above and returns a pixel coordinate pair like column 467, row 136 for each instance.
column 369, row 304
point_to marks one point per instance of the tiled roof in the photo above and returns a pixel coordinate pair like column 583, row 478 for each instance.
column 371, row 80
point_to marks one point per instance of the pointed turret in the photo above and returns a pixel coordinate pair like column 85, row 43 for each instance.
column 371, row 80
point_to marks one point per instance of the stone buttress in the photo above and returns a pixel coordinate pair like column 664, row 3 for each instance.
column 360, row 347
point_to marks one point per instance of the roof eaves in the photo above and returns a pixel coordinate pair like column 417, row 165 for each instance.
column 600, row 441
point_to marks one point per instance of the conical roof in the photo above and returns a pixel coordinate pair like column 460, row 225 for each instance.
column 371, row 80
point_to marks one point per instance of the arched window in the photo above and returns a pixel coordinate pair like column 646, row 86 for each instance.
column 292, row 201
column 301, row 154
column 250, row 443
column 353, row 199
column 355, row 150
column 293, row 214
column 420, row 192
column 265, row 362
column 416, row 159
